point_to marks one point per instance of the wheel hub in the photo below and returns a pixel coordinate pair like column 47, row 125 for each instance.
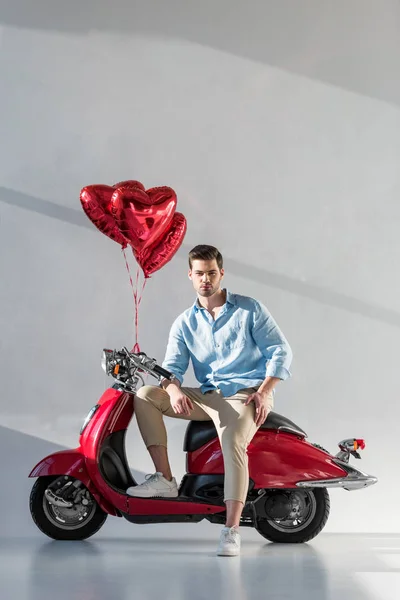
column 291, row 510
column 278, row 506
column 70, row 517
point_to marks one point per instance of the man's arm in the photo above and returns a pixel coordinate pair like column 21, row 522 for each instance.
column 169, row 385
column 273, row 345
column 176, row 357
column 277, row 351
column 262, row 399
column 268, row 385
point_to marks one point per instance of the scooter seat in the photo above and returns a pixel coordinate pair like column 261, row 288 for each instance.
column 199, row 433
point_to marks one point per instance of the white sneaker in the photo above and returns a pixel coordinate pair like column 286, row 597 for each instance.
column 229, row 544
column 155, row 486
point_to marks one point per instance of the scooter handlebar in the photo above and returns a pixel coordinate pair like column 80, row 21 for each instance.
column 162, row 372
column 149, row 364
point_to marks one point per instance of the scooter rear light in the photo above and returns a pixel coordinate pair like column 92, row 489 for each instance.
column 359, row 444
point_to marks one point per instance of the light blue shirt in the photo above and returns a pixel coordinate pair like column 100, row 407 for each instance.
column 238, row 349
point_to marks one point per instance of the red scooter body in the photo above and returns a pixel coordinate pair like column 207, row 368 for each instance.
column 288, row 475
column 276, row 460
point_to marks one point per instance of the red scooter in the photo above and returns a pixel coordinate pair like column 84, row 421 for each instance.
column 287, row 499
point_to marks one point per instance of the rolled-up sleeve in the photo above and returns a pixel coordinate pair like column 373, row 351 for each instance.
column 271, row 342
column 177, row 355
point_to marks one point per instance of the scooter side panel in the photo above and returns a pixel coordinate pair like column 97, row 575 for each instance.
column 106, row 420
column 280, row 460
column 114, row 414
column 276, row 460
column 206, row 460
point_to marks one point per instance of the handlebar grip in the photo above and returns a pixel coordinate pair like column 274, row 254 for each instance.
column 162, row 372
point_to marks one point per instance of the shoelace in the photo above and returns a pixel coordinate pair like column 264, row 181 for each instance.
column 152, row 477
column 229, row 536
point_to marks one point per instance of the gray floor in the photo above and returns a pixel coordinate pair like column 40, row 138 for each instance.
column 173, row 562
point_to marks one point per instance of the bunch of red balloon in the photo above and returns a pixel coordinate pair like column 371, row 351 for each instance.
column 144, row 219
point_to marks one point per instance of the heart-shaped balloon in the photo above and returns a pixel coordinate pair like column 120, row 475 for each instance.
column 156, row 256
column 96, row 202
column 142, row 217
column 129, row 183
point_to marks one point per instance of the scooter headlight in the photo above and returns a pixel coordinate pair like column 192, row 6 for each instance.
column 105, row 361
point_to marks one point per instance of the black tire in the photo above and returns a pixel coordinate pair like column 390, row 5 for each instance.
column 319, row 498
column 43, row 516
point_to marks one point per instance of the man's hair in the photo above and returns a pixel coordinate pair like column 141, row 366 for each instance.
column 204, row 252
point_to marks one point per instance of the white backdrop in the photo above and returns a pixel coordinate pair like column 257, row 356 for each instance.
column 277, row 123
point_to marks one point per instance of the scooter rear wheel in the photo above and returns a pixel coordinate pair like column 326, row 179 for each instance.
column 309, row 514
column 76, row 523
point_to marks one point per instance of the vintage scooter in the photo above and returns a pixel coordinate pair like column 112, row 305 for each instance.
column 287, row 499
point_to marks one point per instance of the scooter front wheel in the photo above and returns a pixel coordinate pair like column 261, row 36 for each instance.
column 293, row 516
column 78, row 522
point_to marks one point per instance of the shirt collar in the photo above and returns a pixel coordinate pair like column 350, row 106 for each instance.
column 230, row 299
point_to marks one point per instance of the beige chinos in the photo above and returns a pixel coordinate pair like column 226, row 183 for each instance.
column 233, row 420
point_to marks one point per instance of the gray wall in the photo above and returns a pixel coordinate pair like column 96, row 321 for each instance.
column 278, row 124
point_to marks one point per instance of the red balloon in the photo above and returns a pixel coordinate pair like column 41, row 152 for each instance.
column 96, row 202
column 143, row 217
column 156, row 256
column 129, row 183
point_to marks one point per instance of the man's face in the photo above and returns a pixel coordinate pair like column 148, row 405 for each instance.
column 206, row 277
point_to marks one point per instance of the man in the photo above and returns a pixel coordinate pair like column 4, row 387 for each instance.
column 239, row 354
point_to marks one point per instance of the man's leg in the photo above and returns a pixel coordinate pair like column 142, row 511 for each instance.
column 159, row 456
column 236, row 429
column 151, row 404
column 235, row 425
column 234, row 509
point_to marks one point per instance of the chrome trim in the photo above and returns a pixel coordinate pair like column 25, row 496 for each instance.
column 292, row 430
column 356, row 480
column 348, row 483
column 343, row 456
column 88, row 418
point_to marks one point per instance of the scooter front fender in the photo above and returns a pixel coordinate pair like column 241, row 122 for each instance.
column 71, row 463
column 64, row 462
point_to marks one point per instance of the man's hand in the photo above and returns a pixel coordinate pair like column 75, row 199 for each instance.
column 181, row 404
column 262, row 404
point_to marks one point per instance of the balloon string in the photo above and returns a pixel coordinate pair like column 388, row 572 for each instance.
column 136, row 347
